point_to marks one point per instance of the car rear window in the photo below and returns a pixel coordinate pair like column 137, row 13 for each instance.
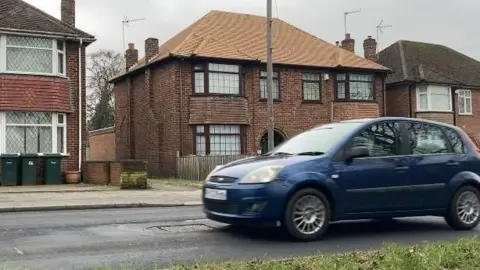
column 456, row 141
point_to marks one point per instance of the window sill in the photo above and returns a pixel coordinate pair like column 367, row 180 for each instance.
column 466, row 114
column 34, row 74
column 216, row 95
column 312, row 102
column 355, row 101
column 433, row 111
column 274, row 100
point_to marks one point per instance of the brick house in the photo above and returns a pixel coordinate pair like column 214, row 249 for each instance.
column 434, row 82
column 42, row 82
column 203, row 92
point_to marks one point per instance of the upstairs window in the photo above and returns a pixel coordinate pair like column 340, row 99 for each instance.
column 32, row 55
column 263, row 86
column 434, row 98
column 220, row 79
column 465, row 102
column 354, row 87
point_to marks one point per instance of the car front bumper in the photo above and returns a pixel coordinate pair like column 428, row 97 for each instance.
column 247, row 204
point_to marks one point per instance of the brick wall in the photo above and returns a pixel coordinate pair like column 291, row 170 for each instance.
column 101, row 144
column 164, row 110
column 47, row 93
column 471, row 123
column 398, row 104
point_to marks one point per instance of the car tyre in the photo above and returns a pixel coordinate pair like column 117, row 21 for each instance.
column 464, row 209
column 316, row 215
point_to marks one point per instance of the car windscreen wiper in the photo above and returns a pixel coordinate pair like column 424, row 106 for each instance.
column 311, row 153
column 281, row 154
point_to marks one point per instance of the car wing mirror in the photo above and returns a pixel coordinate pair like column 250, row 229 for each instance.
column 357, row 152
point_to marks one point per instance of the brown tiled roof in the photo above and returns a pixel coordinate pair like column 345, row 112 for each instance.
column 21, row 16
column 418, row 61
column 230, row 35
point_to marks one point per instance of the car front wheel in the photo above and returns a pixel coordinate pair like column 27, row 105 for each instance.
column 307, row 215
column 464, row 210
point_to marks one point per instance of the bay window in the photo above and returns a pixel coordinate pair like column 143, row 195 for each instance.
column 32, row 55
column 32, row 132
column 220, row 79
column 218, row 140
column 434, row 98
column 263, row 85
column 354, row 87
column 464, row 102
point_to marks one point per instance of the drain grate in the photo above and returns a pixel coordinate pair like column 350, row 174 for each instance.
column 182, row 228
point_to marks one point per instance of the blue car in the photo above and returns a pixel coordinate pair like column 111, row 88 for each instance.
column 358, row 169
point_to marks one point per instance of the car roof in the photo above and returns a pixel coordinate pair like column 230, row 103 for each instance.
column 381, row 119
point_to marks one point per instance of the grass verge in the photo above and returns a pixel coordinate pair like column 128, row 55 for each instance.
column 173, row 182
column 464, row 254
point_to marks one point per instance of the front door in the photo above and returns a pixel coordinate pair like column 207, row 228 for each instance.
column 437, row 156
column 378, row 183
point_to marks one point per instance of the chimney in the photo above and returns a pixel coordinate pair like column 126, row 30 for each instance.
column 131, row 56
column 68, row 12
column 348, row 43
column 151, row 48
column 370, row 49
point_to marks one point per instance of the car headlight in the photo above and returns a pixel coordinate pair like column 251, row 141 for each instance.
column 262, row 175
column 213, row 171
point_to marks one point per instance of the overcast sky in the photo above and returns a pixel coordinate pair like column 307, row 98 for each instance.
column 447, row 22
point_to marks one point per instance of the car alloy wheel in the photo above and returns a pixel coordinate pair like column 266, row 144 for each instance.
column 468, row 207
column 464, row 212
column 307, row 215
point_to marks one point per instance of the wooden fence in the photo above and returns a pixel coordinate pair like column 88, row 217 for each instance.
column 198, row 167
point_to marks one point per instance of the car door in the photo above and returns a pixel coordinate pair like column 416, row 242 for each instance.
column 438, row 154
column 377, row 183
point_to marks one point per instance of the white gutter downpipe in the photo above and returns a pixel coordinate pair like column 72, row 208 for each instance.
column 80, row 105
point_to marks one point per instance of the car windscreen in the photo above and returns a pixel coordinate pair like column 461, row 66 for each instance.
column 318, row 140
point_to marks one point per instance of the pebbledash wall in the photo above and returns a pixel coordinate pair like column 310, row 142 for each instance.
column 156, row 111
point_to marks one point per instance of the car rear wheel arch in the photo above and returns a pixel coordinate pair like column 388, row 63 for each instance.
column 315, row 185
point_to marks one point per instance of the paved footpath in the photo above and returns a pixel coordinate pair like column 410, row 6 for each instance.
column 64, row 197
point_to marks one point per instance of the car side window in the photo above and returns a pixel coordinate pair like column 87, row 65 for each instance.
column 427, row 139
column 455, row 140
column 382, row 139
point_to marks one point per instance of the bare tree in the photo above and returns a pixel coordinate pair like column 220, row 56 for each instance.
column 102, row 66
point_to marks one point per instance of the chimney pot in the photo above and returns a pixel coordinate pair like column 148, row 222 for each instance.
column 67, row 8
column 151, row 48
column 131, row 56
column 348, row 43
column 337, row 43
column 370, row 49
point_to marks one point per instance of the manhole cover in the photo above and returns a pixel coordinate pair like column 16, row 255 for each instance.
column 182, row 228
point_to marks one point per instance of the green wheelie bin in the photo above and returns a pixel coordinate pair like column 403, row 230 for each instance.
column 52, row 169
column 10, row 169
column 29, row 169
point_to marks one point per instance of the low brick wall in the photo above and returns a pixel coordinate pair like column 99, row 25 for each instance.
column 101, row 144
column 108, row 172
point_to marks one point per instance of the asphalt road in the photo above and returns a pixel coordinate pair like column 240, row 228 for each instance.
column 162, row 236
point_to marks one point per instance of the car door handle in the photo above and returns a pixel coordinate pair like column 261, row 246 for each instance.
column 453, row 163
column 401, row 168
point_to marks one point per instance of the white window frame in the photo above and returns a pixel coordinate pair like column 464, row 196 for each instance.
column 429, row 98
column 54, row 125
column 55, row 52
column 466, row 95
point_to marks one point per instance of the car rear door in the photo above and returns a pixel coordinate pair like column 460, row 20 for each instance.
column 438, row 154
column 377, row 183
